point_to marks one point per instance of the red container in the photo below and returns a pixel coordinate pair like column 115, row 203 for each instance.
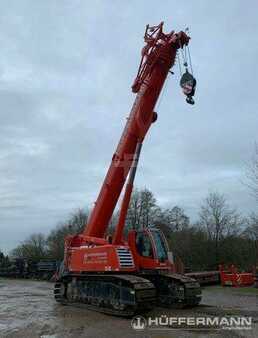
column 231, row 277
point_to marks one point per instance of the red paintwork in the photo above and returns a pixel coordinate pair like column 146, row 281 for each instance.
column 99, row 258
column 81, row 251
column 231, row 277
column 118, row 236
column 104, row 258
column 145, row 262
column 158, row 56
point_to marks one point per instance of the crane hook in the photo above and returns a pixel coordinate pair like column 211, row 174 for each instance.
column 188, row 84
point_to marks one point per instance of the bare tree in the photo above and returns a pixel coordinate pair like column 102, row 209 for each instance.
column 148, row 208
column 33, row 248
column 142, row 209
column 176, row 218
column 4, row 260
column 251, row 232
column 252, row 173
column 252, row 229
column 134, row 211
column 74, row 225
column 218, row 219
column 78, row 220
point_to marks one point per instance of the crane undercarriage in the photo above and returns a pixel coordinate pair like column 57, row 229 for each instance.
column 127, row 295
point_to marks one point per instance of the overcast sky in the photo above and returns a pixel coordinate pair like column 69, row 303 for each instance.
column 66, row 68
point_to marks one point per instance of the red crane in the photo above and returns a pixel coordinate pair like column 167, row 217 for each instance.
column 122, row 276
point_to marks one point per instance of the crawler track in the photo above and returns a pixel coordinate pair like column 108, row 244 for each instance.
column 120, row 295
column 176, row 290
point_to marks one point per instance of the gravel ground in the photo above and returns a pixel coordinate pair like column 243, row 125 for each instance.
column 27, row 309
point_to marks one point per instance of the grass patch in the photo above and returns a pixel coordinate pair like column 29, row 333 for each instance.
column 248, row 289
column 243, row 289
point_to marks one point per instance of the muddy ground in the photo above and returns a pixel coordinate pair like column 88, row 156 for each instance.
column 27, row 309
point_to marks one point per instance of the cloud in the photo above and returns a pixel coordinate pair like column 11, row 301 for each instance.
column 65, row 78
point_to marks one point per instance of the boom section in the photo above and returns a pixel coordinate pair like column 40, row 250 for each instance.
column 158, row 56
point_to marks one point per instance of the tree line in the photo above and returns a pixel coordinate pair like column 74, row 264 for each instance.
column 220, row 234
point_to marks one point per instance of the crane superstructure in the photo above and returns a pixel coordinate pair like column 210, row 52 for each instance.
column 123, row 276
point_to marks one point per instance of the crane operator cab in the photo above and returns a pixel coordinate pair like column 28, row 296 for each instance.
column 150, row 249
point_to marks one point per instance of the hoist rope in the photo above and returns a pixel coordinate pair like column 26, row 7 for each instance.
column 179, row 64
column 162, row 93
column 190, row 61
column 183, row 57
column 184, row 49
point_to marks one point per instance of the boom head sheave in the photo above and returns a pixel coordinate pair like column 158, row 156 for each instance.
column 157, row 44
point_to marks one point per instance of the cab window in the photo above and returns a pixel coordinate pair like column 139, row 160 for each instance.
column 160, row 246
column 143, row 244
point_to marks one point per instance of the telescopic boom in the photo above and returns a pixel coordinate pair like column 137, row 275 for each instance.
column 158, row 56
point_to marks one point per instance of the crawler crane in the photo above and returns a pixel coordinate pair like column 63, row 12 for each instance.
column 126, row 276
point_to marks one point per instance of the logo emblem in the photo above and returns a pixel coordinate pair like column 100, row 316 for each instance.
column 138, row 323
